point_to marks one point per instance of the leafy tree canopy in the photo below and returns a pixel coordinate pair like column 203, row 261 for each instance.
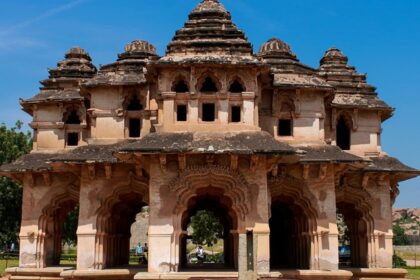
column 13, row 144
column 206, row 227
column 400, row 238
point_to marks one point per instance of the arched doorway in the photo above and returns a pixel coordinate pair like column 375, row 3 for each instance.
column 217, row 204
column 52, row 226
column 343, row 136
column 290, row 243
column 353, row 250
column 114, row 223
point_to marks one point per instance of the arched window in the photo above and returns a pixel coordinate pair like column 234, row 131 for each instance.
column 236, row 87
column 72, row 118
column 208, row 85
column 343, row 137
column 180, row 87
column 134, row 104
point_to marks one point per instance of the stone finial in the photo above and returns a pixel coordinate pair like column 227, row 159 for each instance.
column 207, row 5
column 276, row 48
column 334, row 56
column 140, row 46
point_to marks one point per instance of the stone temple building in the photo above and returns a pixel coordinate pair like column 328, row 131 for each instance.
column 273, row 147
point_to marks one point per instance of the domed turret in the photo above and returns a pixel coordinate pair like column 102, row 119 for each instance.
column 76, row 64
column 138, row 49
column 276, row 48
column 334, row 56
column 209, row 30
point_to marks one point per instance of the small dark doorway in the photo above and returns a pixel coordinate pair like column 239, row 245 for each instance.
column 289, row 247
column 181, row 113
column 236, row 114
column 72, row 139
column 134, row 128
column 343, row 134
column 208, row 114
column 285, row 128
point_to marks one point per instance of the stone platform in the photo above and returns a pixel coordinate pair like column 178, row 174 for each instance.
column 63, row 273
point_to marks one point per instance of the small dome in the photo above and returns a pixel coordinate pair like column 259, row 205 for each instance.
column 140, row 46
column 77, row 52
column 209, row 6
column 276, row 48
column 334, row 56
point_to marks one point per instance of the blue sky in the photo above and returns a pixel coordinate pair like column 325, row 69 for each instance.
column 380, row 37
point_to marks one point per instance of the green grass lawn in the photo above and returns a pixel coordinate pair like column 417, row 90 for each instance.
column 10, row 263
column 413, row 273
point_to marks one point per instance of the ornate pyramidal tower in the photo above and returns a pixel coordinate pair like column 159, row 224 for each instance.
column 274, row 148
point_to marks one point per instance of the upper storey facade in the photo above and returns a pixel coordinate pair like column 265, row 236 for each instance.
column 209, row 80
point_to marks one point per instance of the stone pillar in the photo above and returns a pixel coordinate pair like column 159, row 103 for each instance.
column 382, row 232
column 257, row 221
column 325, row 255
column 29, row 228
column 162, row 255
column 88, row 243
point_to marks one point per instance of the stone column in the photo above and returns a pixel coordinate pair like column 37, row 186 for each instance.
column 258, row 220
column 325, row 256
column 382, row 231
column 162, row 257
column 29, row 228
column 87, row 248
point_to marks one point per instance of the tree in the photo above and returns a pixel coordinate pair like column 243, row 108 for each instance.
column 400, row 238
column 206, row 227
column 13, row 144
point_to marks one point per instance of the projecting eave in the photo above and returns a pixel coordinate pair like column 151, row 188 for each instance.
column 325, row 154
column 302, row 81
column 234, row 60
column 391, row 166
column 240, row 143
column 33, row 162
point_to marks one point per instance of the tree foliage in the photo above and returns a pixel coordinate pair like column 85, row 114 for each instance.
column 343, row 231
column 13, row 144
column 400, row 238
column 70, row 227
column 206, row 227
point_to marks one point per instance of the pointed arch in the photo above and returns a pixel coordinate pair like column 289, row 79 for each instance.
column 114, row 218
column 208, row 83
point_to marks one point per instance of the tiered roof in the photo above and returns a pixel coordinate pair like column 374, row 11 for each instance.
column 286, row 68
column 76, row 67
column 351, row 88
column 129, row 69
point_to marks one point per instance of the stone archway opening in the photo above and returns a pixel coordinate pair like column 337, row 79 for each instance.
column 290, row 244
column 343, row 134
column 353, row 247
column 114, row 230
column 224, row 254
column 58, row 225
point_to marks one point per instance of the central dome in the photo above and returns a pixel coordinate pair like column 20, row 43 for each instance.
column 209, row 30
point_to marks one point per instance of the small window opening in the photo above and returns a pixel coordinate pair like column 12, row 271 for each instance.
column 134, row 104
column 73, row 118
column 343, row 134
column 181, row 113
column 285, row 128
column 208, row 112
column 72, row 139
column 208, row 85
column 235, row 114
column 236, row 87
column 181, row 87
column 134, row 128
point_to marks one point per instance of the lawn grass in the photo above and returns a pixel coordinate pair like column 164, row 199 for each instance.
column 413, row 273
column 7, row 263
